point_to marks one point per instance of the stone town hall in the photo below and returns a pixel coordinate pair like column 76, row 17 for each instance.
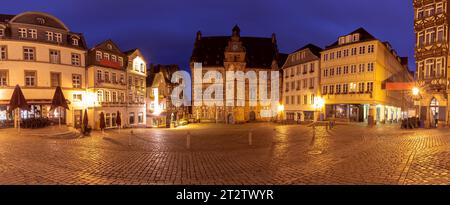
column 234, row 53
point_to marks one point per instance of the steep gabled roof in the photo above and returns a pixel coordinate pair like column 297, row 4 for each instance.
column 313, row 48
column 260, row 52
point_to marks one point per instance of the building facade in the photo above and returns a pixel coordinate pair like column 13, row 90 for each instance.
column 233, row 53
column 161, row 112
column 431, row 26
column 38, row 52
column 355, row 70
column 106, row 71
column 136, row 88
column 301, row 84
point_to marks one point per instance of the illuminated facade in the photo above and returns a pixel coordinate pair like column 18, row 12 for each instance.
column 301, row 84
column 354, row 72
column 38, row 52
column 431, row 25
column 106, row 71
column 136, row 88
column 160, row 109
column 234, row 53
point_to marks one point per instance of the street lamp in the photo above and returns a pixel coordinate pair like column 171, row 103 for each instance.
column 416, row 91
column 319, row 103
column 280, row 110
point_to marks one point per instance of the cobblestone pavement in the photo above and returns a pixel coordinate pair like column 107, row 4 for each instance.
column 220, row 154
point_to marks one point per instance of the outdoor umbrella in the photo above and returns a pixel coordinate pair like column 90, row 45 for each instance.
column 102, row 121
column 118, row 120
column 16, row 103
column 85, row 121
column 59, row 101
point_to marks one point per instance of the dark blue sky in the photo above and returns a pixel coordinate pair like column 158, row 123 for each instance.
column 165, row 29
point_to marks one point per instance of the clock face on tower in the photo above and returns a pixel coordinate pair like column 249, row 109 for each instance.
column 235, row 47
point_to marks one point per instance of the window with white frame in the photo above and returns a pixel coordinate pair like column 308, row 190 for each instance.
column 121, row 61
column 55, row 57
column 99, row 76
column 3, row 77
column 107, row 96
column 30, row 78
column 49, row 35
column 98, row 55
column 33, row 33
column 100, row 95
column 2, row 32
column 370, row 67
column 23, row 32
column 58, row 37
column 106, row 56
column 3, row 53
column 114, row 58
column 76, row 59
column 77, row 97
column 76, row 81
column 106, row 76
column 440, row 34
column 29, row 54
column 114, row 96
column 75, row 41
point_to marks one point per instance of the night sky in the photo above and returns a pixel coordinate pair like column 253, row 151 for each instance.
column 165, row 29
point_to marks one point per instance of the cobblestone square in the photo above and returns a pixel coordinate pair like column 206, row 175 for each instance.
column 221, row 154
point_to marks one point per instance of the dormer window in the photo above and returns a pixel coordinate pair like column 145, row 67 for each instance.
column 22, row 32
column 109, row 46
column 106, row 56
column 355, row 37
column 33, row 33
column 58, row 37
column 98, row 55
column 74, row 41
column 341, row 40
column 49, row 35
column 121, row 61
column 114, row 58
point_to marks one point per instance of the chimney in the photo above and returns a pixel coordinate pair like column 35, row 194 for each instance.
column 274, row 38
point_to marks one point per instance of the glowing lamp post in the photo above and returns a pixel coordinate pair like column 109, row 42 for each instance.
column 280, row 111
column 319, row 103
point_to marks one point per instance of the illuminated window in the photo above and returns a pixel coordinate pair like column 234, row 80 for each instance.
column 100, row 96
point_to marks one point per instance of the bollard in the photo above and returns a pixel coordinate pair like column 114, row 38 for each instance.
column 188, row 140
column 250, row 138
column 314, row 130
